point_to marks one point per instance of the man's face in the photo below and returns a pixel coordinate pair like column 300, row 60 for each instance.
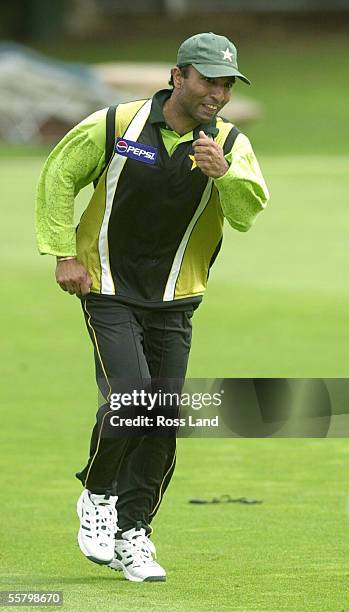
column 199, row 97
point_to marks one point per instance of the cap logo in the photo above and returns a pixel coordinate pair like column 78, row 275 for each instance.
column 227, row 54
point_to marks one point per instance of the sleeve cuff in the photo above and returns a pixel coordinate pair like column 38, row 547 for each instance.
column 225, row 177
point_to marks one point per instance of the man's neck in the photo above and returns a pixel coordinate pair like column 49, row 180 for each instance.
column 176, row 119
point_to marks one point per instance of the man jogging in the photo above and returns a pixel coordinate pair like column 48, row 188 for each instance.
column 139, row 262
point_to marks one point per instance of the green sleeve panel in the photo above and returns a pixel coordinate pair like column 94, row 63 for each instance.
column 76, row 161
column 242, row 189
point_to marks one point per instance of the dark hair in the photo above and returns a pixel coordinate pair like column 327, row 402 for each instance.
column 184, row 68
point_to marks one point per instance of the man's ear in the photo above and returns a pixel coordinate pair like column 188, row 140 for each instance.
column 177, row 77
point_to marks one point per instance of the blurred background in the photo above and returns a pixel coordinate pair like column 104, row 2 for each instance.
column 277, row 298
column 276, row 306
column 66, row 57
column 284, row 284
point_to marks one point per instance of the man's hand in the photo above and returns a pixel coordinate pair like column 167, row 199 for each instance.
column 73, row 277
column 209, row 156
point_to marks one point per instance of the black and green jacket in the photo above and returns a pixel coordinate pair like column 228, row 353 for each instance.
column 151, row 230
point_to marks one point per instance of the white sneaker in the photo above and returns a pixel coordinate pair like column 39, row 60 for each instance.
column 134, row 556
column 98, row 524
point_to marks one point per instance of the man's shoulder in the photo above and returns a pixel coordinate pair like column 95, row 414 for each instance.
column 230, row 137
column 125, row 113
column 227, row 132
column 130, row 108
column 124, row 108
column 94, row 119
column 224, row 124
column 220, row 120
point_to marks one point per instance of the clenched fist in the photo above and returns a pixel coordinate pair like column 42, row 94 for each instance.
column 73, row 277
column 209, row 156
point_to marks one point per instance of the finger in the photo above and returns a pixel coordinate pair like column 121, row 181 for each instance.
column 203, row 147
column 199, row 162
column 203, row 165
column 62, row 286
column 203, row 135
column 204, row 151
column 204, row 155
column 73, row 290
column 71, row 287
column 84, row 288
column 204, row 170
column 85, row 284
column 203, row 143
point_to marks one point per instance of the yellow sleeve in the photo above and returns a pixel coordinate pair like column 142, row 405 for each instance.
column 76, row 161
column 242, row 189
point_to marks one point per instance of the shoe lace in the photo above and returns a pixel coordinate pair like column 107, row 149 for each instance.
column 104, row 521
column 141, row 549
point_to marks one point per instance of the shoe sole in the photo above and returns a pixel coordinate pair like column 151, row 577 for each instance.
column 121, row 567
column 87, row 554
column 84, row 550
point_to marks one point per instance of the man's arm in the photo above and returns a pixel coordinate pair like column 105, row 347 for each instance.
column 242, row 189
column 76, row 161
column 238, row 178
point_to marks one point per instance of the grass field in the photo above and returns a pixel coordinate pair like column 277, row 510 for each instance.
column 277, row 305
column 289, row 553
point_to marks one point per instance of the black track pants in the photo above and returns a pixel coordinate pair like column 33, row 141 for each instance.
column 139, row 345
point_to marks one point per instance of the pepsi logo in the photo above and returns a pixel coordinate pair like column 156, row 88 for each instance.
column 121, row 146
column 136, row 150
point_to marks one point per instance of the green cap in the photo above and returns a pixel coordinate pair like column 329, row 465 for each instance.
column 211, row 54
